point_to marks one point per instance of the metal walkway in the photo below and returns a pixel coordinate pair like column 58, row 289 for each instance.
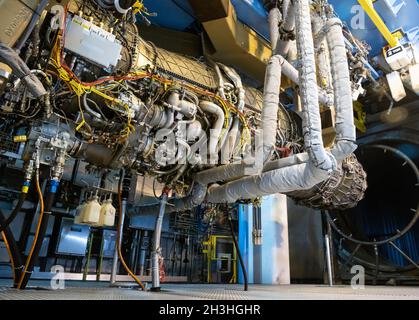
column 75, row 290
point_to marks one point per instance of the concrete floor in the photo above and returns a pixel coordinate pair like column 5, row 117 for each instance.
column 75, row 290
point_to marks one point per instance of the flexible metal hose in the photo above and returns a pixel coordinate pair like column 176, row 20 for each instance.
column 119, row 235
column 9, row 220
column 236, row 245
column 12, row 250
column 44, row 213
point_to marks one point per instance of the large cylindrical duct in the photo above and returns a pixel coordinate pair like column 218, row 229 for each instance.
column 382, row 230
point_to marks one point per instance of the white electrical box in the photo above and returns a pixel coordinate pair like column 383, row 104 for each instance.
column 414, row 77
column 397, row 58
column 84, row 38
column 396, row 86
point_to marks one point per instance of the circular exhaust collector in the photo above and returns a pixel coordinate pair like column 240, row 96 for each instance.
column 381, row 233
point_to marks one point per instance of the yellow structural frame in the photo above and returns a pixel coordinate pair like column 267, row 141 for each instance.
column 368, row 6
column 210, row 251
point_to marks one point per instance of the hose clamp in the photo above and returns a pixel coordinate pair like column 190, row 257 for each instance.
column 331, row 23
column 286, row 35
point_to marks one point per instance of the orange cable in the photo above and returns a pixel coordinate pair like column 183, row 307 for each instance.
column 119, row 247
column 41, row 215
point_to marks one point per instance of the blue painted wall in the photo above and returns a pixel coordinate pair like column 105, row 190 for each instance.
column 245, row 241
column 172, row 14
column 178, row 15
column 406, row 18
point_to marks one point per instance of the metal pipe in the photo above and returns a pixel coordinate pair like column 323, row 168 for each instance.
column 225, row 135
column 324, row 76
column 229, row 138
column 188, row 109
column 230, row 144
column 155, row 254
column 235, row 78
column 216, row 130
column 404, row 255
column 328, row 260
column 277, row 65
column 118, row 242
column 221, row 91
column 143, row 252
column 90, row 110
column 89, row 255
column 291, row 73
column 100, row 262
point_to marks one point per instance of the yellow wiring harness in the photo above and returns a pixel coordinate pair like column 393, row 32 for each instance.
column 80, row 88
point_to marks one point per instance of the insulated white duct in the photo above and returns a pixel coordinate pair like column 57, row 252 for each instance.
column 324, row 76
column 303, row 171
column 236, row 79
column 228, row 142
column 216, row 130
column 269, row 126
column 277, row 65
column 280, row 46
column 283, row 44
column 274, row 20
column 321, row 163
column 292, row 74
column 231, row 141
column 270, row 105
column 312, row 128
column 196, row 197
column 237, row 170
column 298, row 177
column 345, row 128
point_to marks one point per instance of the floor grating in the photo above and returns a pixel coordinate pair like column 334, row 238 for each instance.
column 76, row 290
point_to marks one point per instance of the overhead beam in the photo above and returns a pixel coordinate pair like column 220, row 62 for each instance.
column 233, row 42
